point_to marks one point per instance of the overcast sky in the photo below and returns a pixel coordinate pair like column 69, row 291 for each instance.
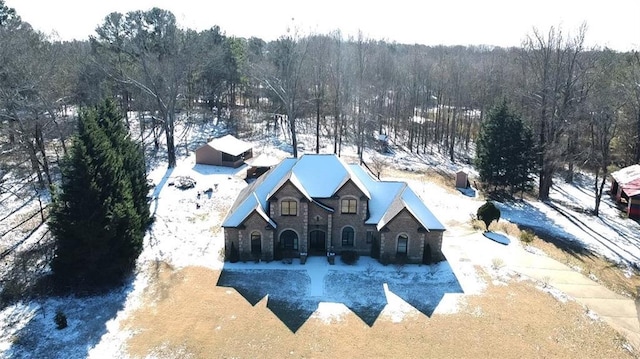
column 612, row 23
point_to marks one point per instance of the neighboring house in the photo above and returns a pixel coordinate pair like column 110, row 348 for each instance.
column 224, row 151
column 317, row 204
column 625, row 189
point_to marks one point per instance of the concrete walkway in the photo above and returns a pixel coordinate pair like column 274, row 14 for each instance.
column 317, row 275
column 618, row 311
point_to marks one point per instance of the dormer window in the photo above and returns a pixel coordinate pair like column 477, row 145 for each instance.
column 289, row 207
column 349, row 206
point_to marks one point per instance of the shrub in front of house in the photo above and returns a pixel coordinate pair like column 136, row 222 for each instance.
column 349, row 257
column 385, row 259
column 60, row 319
column 246, row 257
column 234, row 254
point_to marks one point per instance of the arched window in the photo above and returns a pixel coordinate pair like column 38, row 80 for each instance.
column 403, row 241
column 348, row 236
column 256, row 242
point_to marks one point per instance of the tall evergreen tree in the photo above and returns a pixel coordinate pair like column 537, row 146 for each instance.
column 97, row 218
column 505, row 155
column 113, row 123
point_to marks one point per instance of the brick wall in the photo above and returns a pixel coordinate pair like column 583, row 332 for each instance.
column 405, row 223
column 299, row 223
column 241, row 237
column 312, row 216
column 356, row 220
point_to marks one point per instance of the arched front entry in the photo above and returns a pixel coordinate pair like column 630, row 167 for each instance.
column 317, row 242
column 288, row 243
column 256, row 244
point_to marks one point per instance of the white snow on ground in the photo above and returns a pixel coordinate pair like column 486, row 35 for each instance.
column 568, row 216
column 186, row 232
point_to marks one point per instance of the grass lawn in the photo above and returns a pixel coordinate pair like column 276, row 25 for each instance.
column 186, row 314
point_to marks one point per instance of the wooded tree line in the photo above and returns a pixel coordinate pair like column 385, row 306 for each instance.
column 581, row 104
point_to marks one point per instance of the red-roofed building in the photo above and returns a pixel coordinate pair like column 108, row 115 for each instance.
column 625, row 189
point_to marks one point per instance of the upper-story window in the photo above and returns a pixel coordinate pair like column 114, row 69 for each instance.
column 289, row 207
column 349, row 205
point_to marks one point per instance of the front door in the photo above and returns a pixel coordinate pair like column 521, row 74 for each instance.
column 288, row 243
column 317, row 242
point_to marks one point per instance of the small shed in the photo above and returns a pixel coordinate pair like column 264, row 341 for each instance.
column 625, row 189
column 462, row 180
column 224, row 151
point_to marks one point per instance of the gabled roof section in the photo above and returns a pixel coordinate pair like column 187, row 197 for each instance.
column 390, row 198
column 628, row 179
column 290, row 178
column 419, row 210
column 256, row 194
column 231, row 145
column 322, row 175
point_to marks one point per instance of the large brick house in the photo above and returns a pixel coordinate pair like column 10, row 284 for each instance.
column 317, row 204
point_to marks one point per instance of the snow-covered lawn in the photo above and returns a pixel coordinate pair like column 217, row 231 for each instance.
column 568, row 217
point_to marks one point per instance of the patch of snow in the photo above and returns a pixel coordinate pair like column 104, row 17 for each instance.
column 628, row 272
column 451, row 303
column 396, row 309
column 14, row 319
column 556, row 293
column 329, row 312
column 576, row 268
column 535, row 250
column 592, row 315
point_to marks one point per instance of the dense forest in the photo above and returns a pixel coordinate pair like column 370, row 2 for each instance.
column 581, row 104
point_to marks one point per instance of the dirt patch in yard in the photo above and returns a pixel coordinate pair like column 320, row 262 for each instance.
column 186, row 315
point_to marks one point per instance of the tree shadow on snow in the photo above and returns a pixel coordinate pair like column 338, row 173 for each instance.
column 528, row 217
column 497, row 237
column 469, row 191
column 87, row 319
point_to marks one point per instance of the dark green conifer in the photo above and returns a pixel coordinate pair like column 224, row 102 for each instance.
column 97, row 217
column 505, row 154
